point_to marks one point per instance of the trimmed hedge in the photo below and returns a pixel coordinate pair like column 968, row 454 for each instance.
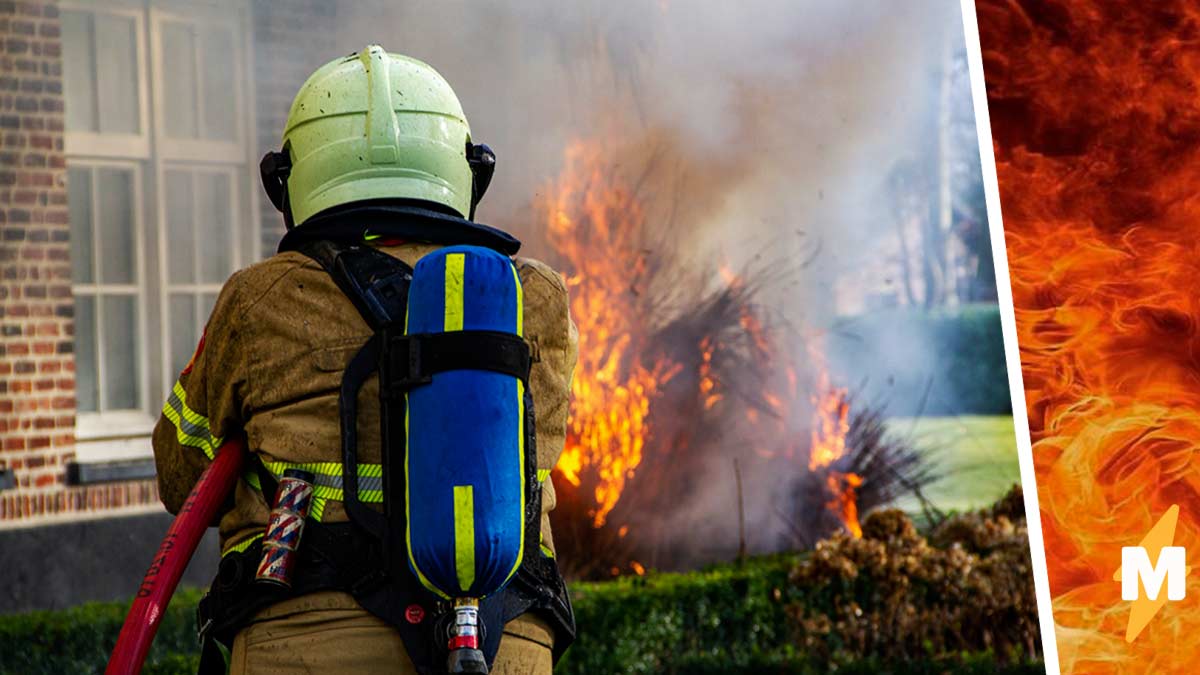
column 79, row 640
column 728, row 619
column 896, row 352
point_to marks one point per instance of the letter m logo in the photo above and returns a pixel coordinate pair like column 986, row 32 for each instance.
column 1136, row 570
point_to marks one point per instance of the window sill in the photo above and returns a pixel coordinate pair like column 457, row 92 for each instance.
column 90, row 473
column 122, row 425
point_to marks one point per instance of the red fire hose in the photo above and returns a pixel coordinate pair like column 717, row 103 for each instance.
column 172, row 558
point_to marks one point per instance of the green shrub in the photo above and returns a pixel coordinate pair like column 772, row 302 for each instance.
column 80, row 639
column 958, row 353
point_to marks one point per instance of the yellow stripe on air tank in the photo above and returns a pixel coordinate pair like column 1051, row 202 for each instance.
column 408, row 501
column 455, row 264
column 408, row 511
column 520, row 302
column 520, row 463
column 464, row 535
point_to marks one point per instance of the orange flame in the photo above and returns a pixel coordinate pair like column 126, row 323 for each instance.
column 592, row 222
column 831, row 425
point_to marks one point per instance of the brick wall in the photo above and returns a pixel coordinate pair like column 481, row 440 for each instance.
column 37, row 386
column 37, row 366
column 291, row 40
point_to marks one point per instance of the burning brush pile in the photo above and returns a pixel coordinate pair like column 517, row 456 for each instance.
column 697, row 431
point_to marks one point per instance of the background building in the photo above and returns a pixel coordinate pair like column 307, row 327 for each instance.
column 128, row 193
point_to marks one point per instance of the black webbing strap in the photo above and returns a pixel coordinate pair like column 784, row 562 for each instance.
column 413, row 360
column 361, row 367
column 374, row 281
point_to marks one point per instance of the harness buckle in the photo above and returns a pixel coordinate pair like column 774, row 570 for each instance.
column 403, row 365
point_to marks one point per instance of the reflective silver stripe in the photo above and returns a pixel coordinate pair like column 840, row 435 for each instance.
column 191, row 428
column 185, row 425
column 327, row 478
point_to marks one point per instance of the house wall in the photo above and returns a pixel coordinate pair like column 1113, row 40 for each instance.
column 37, row 384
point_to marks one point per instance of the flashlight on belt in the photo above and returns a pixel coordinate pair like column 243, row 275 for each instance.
column 293, row 499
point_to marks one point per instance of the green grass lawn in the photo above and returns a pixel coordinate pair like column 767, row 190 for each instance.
column 976, row 457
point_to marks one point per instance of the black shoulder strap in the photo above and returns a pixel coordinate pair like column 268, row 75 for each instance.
column 377, row 284
column 374, row 281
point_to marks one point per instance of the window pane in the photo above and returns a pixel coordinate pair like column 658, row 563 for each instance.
column 116, row 73
column 120, row 352
column 179, row 78
column 219, row 100
column 214, row 226
column 184, row 334
column 180, row 231
column 79, row 203
column 79, row 80
column 115, row 226
column 85, row 353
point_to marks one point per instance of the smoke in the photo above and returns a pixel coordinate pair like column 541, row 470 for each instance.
column 781, row 119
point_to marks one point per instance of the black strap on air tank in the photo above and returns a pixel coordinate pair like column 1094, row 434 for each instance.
column 413, row 360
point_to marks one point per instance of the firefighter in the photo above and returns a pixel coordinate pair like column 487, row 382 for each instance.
column 376, row 154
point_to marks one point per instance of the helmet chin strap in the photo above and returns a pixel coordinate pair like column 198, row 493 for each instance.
column 483, row 165
column 274, row 170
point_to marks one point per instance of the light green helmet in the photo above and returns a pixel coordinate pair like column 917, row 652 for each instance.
column 375, row 125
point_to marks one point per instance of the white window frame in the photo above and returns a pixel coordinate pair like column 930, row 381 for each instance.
column 124, row 434
column 109, row 144
column 169, row 148
column 121, row 423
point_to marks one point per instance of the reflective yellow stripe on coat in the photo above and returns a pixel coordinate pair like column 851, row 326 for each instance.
column 191, row 428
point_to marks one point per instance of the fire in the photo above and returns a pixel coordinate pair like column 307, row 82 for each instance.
column 592, row 225
column 1096, row 156
column 708, row 383
column 595, row 225
column 831, row 424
